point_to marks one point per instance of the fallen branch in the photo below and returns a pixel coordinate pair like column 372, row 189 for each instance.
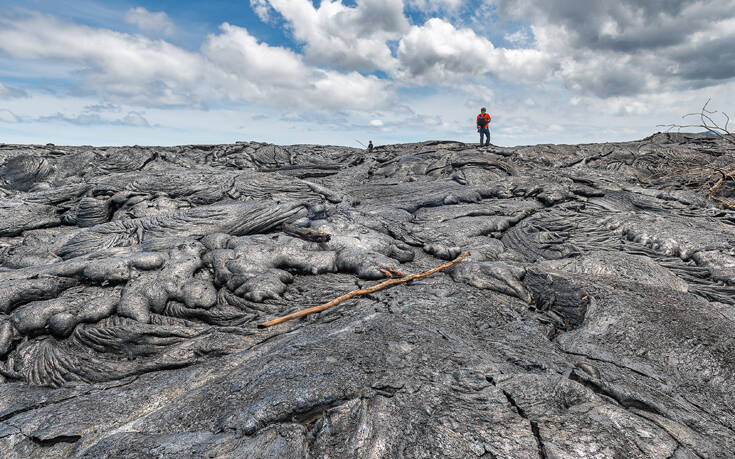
column 364, row 291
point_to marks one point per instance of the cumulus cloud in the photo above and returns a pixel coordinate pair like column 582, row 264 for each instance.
column 342, row 37
column 261, row 9
column 156, row 23
column 231, row 65
column 134, row 68
column 6, row 92
column 606, row 77
column 252, row 70
column 624, row 25
column 242, row 57
column 598, row 50
column 628, row 47
column 438, row 51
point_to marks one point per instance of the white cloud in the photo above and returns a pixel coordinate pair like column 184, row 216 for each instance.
column 629, row 47
column 156, row 23
column 242, row 57
column 232, row 65
column 437, row 52
column 476, row 94
column 417, row 116
column 631, row 68
column 6, row 116
column 431, row 6
column 520, row 37
column 342, row 37
column 89, row 118
column 130, row 67
column 250, row 70
column 261, row 9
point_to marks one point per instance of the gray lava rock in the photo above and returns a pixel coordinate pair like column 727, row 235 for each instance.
column 593, row 317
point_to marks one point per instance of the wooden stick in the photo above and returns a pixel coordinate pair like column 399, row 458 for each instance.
column 364, row 291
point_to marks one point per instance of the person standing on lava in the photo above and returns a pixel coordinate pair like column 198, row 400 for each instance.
column 483, row 122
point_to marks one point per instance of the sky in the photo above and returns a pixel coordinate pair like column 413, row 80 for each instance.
column 342, row 72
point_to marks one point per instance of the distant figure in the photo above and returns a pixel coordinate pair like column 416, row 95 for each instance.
column 483, row 121
column 370, row 146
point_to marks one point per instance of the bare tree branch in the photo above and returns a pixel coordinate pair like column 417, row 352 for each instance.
column 708, row 123
column 709, row 178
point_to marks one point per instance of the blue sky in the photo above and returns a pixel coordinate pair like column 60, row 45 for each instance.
column 334, row 72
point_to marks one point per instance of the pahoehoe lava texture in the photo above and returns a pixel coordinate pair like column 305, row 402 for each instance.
column 594, row 317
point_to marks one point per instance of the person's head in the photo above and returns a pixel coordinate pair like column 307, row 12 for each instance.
column 483, row 110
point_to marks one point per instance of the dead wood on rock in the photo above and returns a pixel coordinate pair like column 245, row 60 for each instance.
column 362, row 291
column 714, row 177
column 708, row 122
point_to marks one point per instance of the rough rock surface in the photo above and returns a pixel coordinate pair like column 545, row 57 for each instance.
column 594, row 317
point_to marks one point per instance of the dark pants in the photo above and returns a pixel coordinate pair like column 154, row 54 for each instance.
column 485, row 132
